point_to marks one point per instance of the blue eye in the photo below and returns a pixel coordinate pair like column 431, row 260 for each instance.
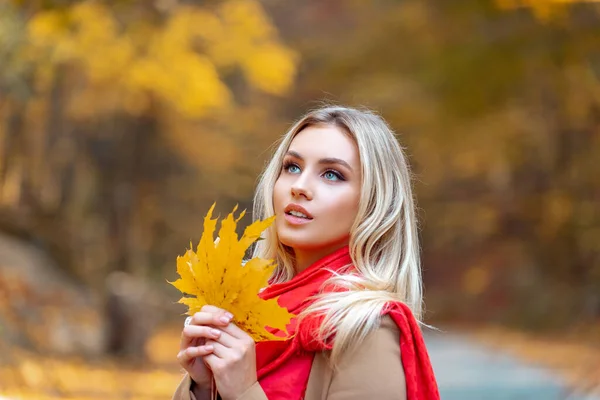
column 333, row 176
column 292, row 168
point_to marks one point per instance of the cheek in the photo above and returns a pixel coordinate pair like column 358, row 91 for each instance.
column 348, row 213
column 343, row 212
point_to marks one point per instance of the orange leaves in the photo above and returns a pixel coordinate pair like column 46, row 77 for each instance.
column 215, row 275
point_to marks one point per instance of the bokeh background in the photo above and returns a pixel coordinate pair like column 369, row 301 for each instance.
column 121, row 122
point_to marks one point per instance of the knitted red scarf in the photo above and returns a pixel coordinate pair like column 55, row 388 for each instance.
column 284, row 366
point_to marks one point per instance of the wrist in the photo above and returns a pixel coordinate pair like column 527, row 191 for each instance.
column 201, row 392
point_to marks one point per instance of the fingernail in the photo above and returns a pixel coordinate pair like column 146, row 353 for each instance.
column 209, row 347
column 230, row 315
column 215, row 332
column 225, row 319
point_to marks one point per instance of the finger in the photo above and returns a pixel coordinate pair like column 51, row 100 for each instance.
column 185, row 357
column 187, row 341
column 213, row 362
column 235, row 331
column 210, row 318
column 207, row 332
column 216, row 310
column 219, row 349
column 202, row 319
column 192, row 333
column 195, row 342
column 224, row 339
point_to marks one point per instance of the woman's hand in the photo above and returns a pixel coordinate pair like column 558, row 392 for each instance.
column 194, row 344
column 232, row 361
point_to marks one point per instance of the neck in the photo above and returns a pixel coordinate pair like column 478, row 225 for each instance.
column 304, row 258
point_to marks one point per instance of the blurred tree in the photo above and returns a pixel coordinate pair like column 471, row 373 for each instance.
column 92, row 90
column 499, row 111
column 121, row 120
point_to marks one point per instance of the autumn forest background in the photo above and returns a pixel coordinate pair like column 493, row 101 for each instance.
column 122, row 121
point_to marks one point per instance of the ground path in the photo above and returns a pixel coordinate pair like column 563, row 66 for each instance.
column 468, row 370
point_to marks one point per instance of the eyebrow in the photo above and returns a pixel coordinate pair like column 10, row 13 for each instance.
column 326, row 161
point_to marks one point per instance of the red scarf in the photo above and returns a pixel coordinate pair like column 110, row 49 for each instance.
column 284, row 366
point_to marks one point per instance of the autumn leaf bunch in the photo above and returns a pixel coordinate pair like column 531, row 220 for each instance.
column 216, row 274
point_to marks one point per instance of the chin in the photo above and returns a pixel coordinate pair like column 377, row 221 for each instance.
column 307, row 244
column 294, row 242
column 307, row 240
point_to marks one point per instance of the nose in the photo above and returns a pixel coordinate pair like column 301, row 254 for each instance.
column 300, row 187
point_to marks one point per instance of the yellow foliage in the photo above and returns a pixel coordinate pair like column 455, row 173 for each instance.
column 251, row 44
column 215, row 275
column 270, row 68
column 88, row 34
column 177, row 62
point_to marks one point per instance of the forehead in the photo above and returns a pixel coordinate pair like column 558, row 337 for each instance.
column 325, row 141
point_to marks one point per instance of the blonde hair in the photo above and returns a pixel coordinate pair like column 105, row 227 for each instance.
column 384, row 242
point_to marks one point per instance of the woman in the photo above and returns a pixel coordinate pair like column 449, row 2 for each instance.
column 347, row 252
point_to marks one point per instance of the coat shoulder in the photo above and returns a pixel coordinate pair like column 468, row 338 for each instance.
column 372, row 368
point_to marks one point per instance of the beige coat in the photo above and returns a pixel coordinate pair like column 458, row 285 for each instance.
column 374, row 370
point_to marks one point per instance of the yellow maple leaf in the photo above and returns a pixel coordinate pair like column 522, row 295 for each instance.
column 215, row 274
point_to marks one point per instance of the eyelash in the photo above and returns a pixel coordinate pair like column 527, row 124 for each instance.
column 338, row 174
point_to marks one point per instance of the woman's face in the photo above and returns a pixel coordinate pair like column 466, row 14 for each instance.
column 317, row 193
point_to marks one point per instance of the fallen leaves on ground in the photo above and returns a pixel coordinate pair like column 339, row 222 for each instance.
column 31, row 375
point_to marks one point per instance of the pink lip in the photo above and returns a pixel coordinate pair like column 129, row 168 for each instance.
column 296, row 207
column 292, row 219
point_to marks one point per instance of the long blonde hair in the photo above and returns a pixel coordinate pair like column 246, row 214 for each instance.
column 384, row 242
